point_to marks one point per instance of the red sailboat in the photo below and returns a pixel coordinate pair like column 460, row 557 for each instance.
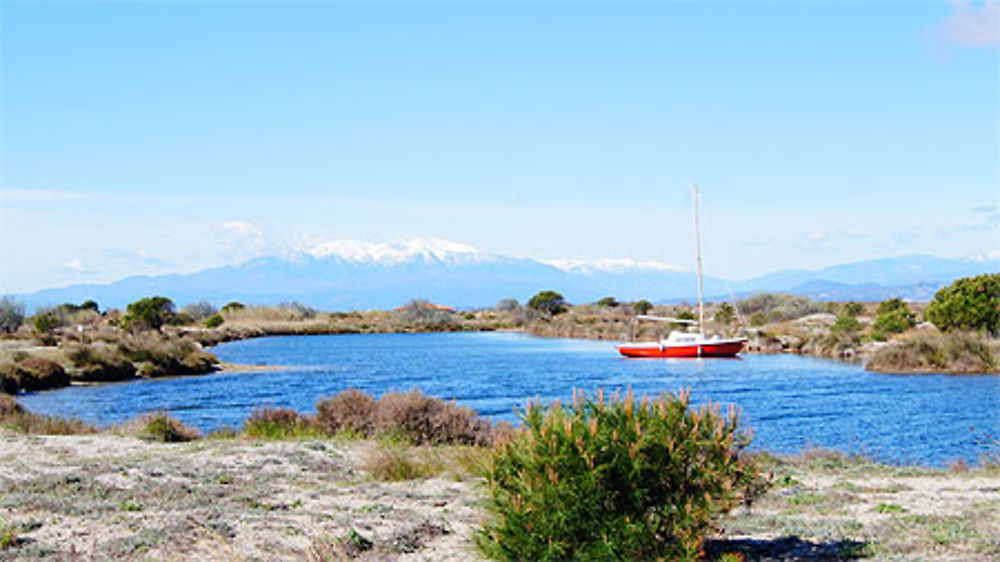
column 685, row 344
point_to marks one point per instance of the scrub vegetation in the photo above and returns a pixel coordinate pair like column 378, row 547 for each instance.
column 284, row 487
column 616, row 480
column 79, row 343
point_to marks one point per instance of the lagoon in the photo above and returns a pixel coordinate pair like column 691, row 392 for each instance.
column 790, row 402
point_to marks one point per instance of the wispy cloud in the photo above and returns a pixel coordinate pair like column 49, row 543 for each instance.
column 9, row 195
column 240, row 240
column 972, row 25
column 140, row 258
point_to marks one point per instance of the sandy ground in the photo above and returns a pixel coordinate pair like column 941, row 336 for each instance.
column 112, row 497
column 106, row 496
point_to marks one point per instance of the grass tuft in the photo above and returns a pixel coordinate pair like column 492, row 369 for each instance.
column 160, row 426
column 280, row 424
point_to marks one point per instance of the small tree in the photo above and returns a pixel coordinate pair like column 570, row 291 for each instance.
column 150, row 313
column 970, row 303
column 892, row 317
column 548, row 302
column 642, row 307
column 725, row 314
column 90, row 305
column 45, row 323
column 608, row 302
column 11, row 314
column 233, row 306
column 682, row 315
column 852, row 309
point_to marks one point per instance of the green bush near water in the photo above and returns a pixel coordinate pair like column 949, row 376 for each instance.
column 615, row 480
column 971, row 303
column 892, row 317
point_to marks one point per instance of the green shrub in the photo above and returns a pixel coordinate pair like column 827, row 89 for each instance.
column 725, row 314
column 845, row 324
column 548, row 302
column 279, row 424
column 852, row 309
column 892, row 317
column 45, row 323
column 615, row 481
column 642, row 307
column 159, row 426
column 150, row 313
column 233, row 306
column 608, row 302
column 214, row 321
column 971, row 303
column 8, row 536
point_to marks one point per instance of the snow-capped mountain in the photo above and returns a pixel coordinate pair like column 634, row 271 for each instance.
column 400, row 251
column 350, row 274
column 611, row 265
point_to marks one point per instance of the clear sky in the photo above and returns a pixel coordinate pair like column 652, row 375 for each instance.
column 142, row 137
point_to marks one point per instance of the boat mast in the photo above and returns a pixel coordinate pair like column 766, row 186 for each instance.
column 697, row 248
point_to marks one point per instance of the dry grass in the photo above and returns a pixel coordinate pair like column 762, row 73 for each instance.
column 953, row 352
column 15, row 417
column 393, row 461
column 411, row 416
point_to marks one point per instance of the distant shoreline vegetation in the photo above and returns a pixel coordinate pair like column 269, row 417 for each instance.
column 152, row 337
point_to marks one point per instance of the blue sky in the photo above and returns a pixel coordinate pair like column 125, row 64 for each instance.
column 142, row 137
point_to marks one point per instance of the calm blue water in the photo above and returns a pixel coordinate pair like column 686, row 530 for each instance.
column 789, row 401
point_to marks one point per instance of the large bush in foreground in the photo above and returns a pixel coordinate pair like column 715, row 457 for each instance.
column 971, row 303
column 615, row 480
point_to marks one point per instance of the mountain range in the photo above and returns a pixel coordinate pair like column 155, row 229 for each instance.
column 345, row 274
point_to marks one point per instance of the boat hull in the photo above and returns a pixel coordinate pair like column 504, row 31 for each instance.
column 723, row 348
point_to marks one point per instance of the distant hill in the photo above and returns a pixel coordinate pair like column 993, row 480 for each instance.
column 346, row 275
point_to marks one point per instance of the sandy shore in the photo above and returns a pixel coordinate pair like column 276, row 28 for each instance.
column 245, row 368
column 106, row 496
